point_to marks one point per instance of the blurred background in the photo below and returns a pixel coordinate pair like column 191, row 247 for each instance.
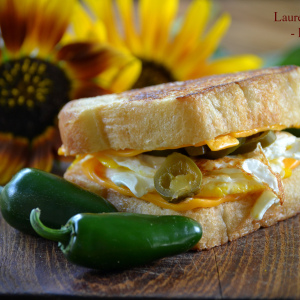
column 253, row 27
column 254, row 30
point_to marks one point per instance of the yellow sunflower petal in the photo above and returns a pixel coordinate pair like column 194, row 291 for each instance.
column 5, row 147
column 67, row 38
column 84, row 28
column 204, row 49
column 98, row 32
column 84, row 61
column 75, row 51
column 31, row 41
column 191, row 30
column 86, row 89
column 49, row 24
column 233, row 64
column 104, row 11
column 213, row 38
column 13, row 156
column 164, row 30
column 156, row 18
column 126, row 9
column 42, row 151
column 13, row 22
column 81, row 21
column 122, row 77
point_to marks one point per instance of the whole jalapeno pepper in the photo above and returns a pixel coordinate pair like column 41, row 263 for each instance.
column 59, row 199
column 120, row 240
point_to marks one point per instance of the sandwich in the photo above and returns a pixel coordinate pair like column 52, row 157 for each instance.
column 214, row 149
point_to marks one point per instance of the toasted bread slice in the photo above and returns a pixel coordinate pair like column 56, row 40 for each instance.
column 223, row 223
column 182, row 113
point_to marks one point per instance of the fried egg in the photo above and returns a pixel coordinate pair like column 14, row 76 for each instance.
column 256, row 171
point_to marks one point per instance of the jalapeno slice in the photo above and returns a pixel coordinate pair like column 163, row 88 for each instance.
column 265, row 139
column 163, row 153
column 205, row 152
column 196, row 151
column 177, row 178
column 224, row 152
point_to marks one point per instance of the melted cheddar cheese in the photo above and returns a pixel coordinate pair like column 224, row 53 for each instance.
column 94, row 170
column 289, row 165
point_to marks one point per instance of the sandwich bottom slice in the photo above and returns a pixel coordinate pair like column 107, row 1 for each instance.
column 238, row 195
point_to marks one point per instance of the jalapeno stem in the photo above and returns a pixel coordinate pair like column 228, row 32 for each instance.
column 59, row 235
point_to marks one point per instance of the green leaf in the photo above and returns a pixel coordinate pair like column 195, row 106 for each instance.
column 292, row 57
column 294, row 131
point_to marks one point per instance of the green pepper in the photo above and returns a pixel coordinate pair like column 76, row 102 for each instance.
column 120, row 240
column 164, row 153
column 177, row 178
column 196, row 151
column 206, row 153
column 265, row 138
column 59, row 199
column 224, row 152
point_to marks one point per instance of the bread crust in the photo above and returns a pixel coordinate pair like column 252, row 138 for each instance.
column 182, row 113
column 226, row 222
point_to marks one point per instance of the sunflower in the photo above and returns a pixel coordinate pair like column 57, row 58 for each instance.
column 167, row 54
column 43, row 66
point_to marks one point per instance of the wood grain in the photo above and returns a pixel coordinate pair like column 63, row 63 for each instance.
column 264, row 264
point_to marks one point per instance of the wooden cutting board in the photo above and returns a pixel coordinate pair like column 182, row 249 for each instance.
column 265, row 264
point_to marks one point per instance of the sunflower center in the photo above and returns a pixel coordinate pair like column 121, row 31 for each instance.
column 32, row 91
column 152, row 74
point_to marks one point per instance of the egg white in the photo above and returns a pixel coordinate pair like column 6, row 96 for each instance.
column 221, row 177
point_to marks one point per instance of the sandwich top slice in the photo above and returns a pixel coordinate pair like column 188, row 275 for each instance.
column 212, row 149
